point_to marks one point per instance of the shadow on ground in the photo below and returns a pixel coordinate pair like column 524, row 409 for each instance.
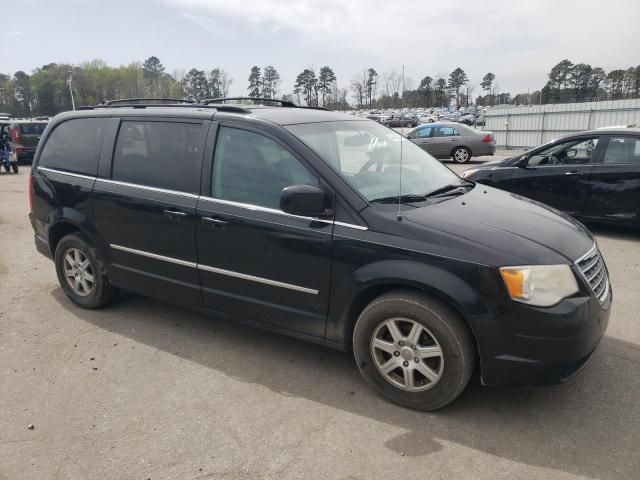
column 590, row 426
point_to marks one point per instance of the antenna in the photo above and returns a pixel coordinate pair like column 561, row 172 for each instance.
column 399, row 215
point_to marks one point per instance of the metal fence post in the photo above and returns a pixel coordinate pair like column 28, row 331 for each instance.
column 506, row 135
column 542, row 128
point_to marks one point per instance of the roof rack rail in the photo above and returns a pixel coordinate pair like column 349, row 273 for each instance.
column 283, row 103
column 131, row 103
column 147, row 100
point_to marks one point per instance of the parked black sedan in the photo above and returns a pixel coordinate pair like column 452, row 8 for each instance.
column 593, row 175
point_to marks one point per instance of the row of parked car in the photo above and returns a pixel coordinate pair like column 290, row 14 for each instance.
column 409, row 118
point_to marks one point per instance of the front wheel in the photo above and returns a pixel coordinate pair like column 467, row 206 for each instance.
column 461, row 155
column 414, row 350
column 80, row 272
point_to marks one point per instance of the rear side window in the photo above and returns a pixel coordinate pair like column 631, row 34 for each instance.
column 159, row 154
column 622, row 150
column 74, row 146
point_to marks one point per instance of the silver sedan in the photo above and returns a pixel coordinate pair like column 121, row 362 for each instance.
column 452, row 140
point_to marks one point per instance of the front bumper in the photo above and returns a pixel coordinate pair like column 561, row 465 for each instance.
column 548, row 345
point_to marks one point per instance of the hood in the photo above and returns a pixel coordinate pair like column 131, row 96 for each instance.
column 514, row 228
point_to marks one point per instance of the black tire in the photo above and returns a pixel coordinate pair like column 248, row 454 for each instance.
column 409, row 125
column 101, row 292
column 443, row 323
column 461, row 155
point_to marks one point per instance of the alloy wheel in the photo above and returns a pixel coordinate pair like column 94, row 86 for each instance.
column 78, row 272
column 407, row 354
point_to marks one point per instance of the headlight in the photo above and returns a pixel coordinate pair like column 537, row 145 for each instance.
column 539, row 285
column 466, row 173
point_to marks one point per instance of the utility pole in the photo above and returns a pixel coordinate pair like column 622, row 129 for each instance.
column 73, row 103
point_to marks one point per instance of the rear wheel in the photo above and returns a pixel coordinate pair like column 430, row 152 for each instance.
column 409, row 125
column 461, row 155
column 414, row 350
column 80, row 272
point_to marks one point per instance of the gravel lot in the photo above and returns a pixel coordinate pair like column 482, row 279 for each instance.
column 146, row 390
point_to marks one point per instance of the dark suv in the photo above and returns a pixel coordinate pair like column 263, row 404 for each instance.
column 23, row 137
column 295, row 220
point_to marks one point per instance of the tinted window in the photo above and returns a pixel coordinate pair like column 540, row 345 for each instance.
column 159, row 154
column 32, row 128
column 622, row 150
column 74, row 146
column 251, row 168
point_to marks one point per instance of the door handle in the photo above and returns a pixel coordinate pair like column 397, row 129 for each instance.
column 175, row 214
column 574, row 172
column 215, row 222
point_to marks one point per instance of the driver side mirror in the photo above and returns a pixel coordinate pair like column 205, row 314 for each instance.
column 523, row 162
column 303, row 200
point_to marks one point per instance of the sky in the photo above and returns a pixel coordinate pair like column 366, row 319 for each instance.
column 516, row 40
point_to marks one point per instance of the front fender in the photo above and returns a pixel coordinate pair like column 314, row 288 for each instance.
column 463, row 286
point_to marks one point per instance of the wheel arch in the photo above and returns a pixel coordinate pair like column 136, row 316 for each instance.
column 383, row 277
column 66, row 221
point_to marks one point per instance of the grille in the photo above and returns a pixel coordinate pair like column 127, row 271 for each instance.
column 595, row 273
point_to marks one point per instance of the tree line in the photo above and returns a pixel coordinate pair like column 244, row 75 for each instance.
column 48, row 89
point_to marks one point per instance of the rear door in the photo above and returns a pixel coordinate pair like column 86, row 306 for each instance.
column 256, row 261
column 145, row 203
column 615, row 181
column 443, row 141
column 559, row 175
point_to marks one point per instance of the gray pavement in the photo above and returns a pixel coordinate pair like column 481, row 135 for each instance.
column 147, row 390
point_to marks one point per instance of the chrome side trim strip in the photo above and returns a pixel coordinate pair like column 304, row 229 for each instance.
column 62, row 172
column 220, row 271
column 351, row 225
column 253, row 278
column 155, row 256
column 145, row 187
column 258, row 208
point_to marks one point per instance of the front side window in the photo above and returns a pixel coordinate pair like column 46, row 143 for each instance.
column 622, row 150
column 372, row 158
column 74, row 146
column 573, row 152
column 250, row 168
column 159, row 154
column 423, row 133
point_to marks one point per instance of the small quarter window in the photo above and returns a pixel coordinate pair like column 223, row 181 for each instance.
column 74, row 146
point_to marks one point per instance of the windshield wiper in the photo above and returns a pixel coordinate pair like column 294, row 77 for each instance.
column 448, row 189
column 406, row 198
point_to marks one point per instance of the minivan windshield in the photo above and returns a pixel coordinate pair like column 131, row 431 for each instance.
column 368, row 156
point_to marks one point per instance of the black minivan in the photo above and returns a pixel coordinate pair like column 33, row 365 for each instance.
column 325, row 227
